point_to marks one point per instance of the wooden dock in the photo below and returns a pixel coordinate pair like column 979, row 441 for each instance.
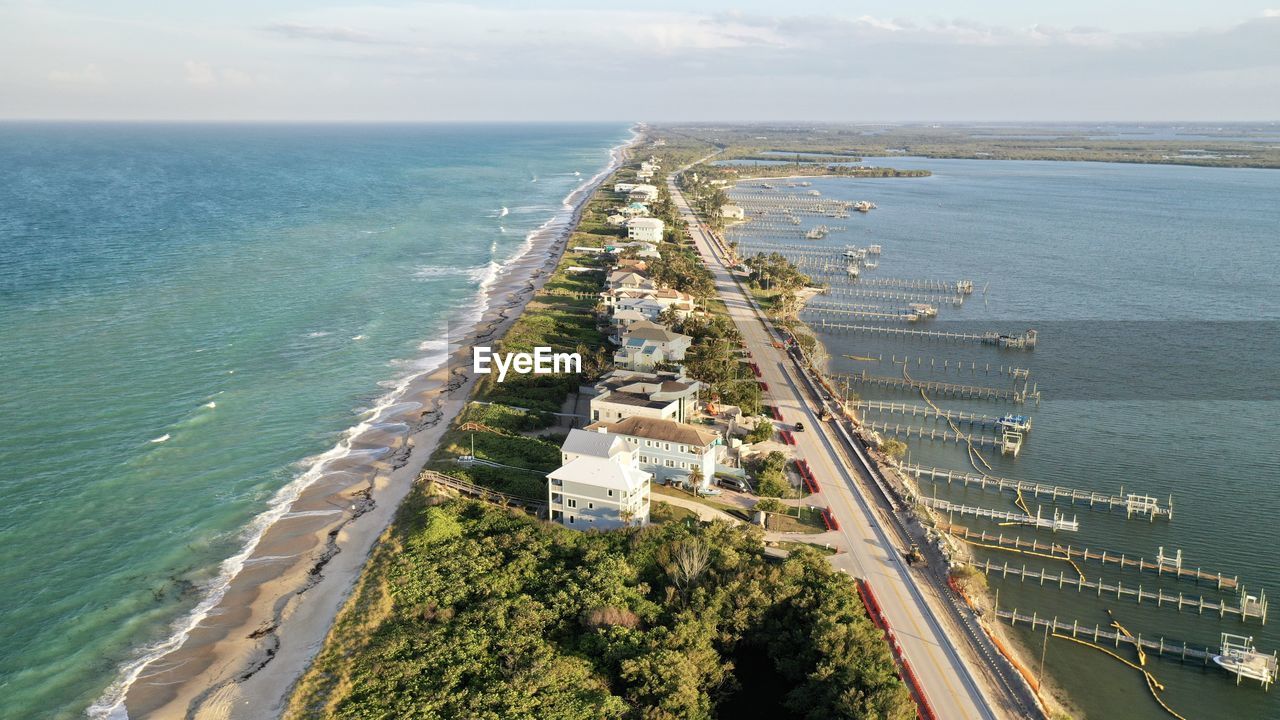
column 1025, row 341
column 1248, row 606
column 924, row 411
column 887, row 314
column 1266, row 665
column 1162, row 566
column 969, row 392
column 911, row 431
column 843, row 291
column 961, row 287
column 1134, row 505
column 1056, row 523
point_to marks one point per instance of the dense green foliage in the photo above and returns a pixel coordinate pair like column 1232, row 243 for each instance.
column 714, row 359
column 470, row 611
column 761, row 432
column 1233, row 149
column 775, row 272
column 681, row 268
column 771, row 475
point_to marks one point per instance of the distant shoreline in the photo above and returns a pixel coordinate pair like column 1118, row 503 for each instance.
column 242, row 658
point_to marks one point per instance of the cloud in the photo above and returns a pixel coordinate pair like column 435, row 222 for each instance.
column 298, row 31
column 87, row 75
column 202, row 75
column 1271, row 13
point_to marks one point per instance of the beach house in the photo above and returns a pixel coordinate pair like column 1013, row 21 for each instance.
column 646, row 344
column 645, row 229
column 644, row 193
column 629, row 280
column 599, row 483
column 663, row 396
column 670, row 450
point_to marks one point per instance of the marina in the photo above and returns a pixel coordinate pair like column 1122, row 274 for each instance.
column 946, row 388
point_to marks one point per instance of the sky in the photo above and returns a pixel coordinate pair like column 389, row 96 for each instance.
column 660, row 60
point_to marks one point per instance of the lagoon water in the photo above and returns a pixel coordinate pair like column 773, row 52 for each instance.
column 187, row 314
column 1154, row 290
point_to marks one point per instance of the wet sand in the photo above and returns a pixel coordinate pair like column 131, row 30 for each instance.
column 244, row 657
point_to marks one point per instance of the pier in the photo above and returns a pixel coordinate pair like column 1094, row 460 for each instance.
column 1248, row 606
column 1252, row 664
column 1163, row 566
column 1025, row 341
column 970, row 392
column 1056, row 523
column 909, row 431
column 1134, row 505
column 924, row 411
column 842, row 291
column 960, row 287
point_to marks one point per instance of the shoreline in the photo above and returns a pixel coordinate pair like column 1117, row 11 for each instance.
column 239, row 653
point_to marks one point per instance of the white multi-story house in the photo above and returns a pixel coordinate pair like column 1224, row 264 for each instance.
column 624, row 187
column 600, row 484
column 645, row 229
column 669, row 450
column 642, row 193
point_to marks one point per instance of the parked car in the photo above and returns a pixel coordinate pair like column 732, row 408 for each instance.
column 710, row 491
column 733, row 483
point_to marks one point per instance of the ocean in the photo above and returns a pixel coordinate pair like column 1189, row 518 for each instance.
column 189, row 316
column 1153, row 291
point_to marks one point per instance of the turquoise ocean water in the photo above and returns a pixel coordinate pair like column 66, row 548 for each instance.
column 1155, row 294
column 189, row 313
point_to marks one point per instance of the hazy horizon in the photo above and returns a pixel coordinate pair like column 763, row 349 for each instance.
column 571, row 60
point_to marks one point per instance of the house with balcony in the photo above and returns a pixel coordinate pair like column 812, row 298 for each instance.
column 647, row 344
column 645, row 229
column 599, row 485
column 667, row 449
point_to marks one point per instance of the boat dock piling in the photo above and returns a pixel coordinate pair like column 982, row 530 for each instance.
column 1056, row 523
column 910, row 431
column 971, row 392
column 1071, row 552
column 923, row 411
column 1249, row 606
column 883, row 294
column 1025, row 341
column 1134, row 505
column 1255, row 665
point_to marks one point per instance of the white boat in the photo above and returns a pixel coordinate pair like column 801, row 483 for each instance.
column 853, row 270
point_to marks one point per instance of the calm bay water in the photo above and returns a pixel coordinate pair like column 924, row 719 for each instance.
column 1154, row 290
column 187, row 314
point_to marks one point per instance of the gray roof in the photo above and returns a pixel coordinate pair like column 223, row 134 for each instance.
column 594, row 444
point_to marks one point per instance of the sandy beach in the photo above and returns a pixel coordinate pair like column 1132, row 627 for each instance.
column 242, row 658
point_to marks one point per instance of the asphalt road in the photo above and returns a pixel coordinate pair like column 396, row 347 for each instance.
column 909, row 606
